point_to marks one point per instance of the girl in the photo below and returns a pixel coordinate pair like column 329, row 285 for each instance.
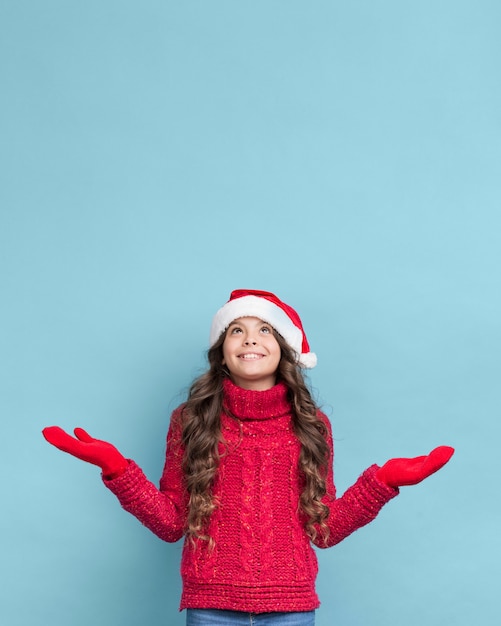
column 248, row 475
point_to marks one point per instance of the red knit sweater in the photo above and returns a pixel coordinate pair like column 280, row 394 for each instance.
column 262, row 559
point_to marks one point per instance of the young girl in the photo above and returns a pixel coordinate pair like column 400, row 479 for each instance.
column 248, row 475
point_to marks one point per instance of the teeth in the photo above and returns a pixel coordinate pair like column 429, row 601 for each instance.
column 250, row 356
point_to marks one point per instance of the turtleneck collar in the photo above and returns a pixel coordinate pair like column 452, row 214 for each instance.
column 247, row 404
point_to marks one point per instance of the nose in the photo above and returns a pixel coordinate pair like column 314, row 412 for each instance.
column 250, row 342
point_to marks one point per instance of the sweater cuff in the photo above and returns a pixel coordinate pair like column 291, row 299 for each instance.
column 126, row 484
column 378, row 487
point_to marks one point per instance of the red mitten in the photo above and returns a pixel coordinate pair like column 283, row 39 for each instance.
column 86, row 448
column 402, row 472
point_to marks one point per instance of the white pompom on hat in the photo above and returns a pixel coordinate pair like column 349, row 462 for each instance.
column 267, row 307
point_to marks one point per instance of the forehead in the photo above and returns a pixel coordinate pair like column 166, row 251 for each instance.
column 249, row 321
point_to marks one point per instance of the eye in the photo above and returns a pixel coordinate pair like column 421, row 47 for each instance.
column 266, row 330
column 235, row 330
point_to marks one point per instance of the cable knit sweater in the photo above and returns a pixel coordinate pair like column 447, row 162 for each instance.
column 262, row 559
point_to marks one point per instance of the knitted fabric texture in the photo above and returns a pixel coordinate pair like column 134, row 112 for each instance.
column 262, row 559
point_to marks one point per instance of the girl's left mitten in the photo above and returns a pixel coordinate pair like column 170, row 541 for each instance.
column 402, row 472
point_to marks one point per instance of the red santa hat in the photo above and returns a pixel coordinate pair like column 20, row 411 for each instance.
column 267, row 307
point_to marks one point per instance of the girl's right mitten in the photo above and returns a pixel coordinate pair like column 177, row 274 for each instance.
column 86, row 448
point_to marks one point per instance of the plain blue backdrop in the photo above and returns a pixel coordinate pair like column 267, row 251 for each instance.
column 156, row 155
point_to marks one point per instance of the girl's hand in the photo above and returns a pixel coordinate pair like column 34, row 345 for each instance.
column 86, row 448
column 402, row 472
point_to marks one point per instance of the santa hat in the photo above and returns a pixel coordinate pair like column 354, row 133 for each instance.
column 267, row 307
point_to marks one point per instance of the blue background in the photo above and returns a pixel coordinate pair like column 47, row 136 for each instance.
column 156, row 155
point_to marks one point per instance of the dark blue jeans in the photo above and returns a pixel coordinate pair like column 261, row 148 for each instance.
column 216, row 617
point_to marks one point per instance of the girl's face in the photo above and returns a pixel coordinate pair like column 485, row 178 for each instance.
column 251, row 353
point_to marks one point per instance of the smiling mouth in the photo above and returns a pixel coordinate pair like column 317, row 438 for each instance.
column 250, row 356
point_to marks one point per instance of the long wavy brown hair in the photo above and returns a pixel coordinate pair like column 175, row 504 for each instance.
column 202, row 434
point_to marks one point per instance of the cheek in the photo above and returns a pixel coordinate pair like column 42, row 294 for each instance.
column 277, row 353
column 225, row 350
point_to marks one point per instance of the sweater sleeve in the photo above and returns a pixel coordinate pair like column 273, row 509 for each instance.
column 358, row 506
column 162, row 510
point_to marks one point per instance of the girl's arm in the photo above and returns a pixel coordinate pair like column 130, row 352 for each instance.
column 361, row 503
column 162, row 510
